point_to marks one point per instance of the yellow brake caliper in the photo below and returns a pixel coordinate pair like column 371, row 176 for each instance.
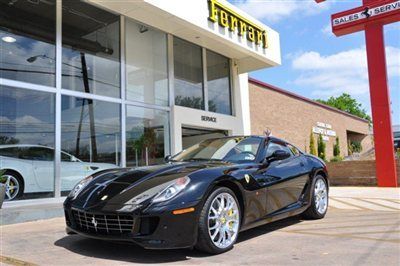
column 11, row 184
column 230, row 213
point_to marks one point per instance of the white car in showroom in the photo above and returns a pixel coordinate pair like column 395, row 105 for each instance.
column 30, row 169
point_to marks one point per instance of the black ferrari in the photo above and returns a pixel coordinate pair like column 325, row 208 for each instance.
column 202, row 197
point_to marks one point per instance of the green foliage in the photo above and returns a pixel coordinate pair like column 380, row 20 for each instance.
column 321, row 148
column 337, row 159
column 193, row 102
column 139, row 145
column 313, row 151
column 8, row 140
column 348, row 104
column 336, row 148
column 355, row 147
column 2, row 179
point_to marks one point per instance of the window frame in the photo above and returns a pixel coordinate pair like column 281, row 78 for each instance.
column 280, row 143
column 205, row 93
column 57, row 91
column 230, row 81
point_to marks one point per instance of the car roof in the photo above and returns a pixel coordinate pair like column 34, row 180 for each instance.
column 23, row 145
column 255, row 136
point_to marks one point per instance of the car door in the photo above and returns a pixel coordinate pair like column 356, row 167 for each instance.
column 43, row 166
column 283, row 179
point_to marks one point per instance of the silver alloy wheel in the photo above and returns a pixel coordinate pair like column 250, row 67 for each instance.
column 12, row 187
column 320, row 196
column 223, row 220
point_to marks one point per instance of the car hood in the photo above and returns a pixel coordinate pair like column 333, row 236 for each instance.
column 99, row 166
column 115, row 189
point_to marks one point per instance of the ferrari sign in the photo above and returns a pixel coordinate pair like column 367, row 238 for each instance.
column 354, row 20
column 228, row 18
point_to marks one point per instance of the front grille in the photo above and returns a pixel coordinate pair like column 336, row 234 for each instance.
column 113, row 224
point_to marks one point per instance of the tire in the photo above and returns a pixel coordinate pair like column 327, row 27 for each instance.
column 315, row 211
column 227, row 222
column 14, row 185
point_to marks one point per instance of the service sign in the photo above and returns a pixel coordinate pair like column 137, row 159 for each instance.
column 228, row 18
column 355, row 19
column 207, row 118
column 325, row 130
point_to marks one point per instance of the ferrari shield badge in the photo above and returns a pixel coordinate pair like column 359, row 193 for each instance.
column 247, row 177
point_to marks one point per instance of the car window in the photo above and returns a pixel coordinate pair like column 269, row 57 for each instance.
column 232, row 149
column 66, row 157
column 273, row 146
column 39, row 154
column 246, row 150
column 293, row 149
column 13, row 152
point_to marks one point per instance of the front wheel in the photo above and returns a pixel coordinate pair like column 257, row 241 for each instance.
column 14, row 185
column 219, row 222
column 319, row 199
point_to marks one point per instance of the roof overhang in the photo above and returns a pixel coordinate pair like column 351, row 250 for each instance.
column 190, row 20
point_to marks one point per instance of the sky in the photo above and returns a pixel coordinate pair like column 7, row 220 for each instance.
column 317, row 64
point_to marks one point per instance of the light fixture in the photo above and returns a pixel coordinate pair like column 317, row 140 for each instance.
column 143, row 29
column 8, row 39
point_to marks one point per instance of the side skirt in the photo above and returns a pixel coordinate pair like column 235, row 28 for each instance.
column 292, row 210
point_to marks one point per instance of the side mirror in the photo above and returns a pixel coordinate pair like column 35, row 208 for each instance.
column 74, row 159
column 278, row 155
column 167, row 158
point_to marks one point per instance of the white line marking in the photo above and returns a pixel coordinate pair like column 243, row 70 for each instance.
column 339, row 205
column 368, row 205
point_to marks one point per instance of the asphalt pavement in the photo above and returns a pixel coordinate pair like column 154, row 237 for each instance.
column 361, row 228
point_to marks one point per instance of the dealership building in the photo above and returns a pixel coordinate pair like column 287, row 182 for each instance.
column 89, row 85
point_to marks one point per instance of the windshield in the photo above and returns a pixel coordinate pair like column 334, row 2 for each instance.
column 233, row 149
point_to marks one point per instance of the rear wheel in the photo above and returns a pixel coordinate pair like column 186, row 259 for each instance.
column 14, row 185
column 219, row 222
column 319, row 199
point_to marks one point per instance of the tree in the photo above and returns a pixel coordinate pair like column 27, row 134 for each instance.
column 321, row 147
column 348, row 104
column 354, row 146
column 313, row 151
column 336, row 148
column 193, row 102
column 8, row 140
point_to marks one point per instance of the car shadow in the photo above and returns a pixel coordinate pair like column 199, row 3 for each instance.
column 129, row 252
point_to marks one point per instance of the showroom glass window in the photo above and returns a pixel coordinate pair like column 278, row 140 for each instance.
column 147, row 136
column 90, row 138
column 146, row 64
column 27, row 41
column 188, row 74
column 27, row 141
column 91, row 49
column 218, row 83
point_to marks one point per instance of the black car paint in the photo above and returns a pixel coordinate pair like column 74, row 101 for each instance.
column 272, row 191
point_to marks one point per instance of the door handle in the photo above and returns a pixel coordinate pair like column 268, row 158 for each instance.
column 302, row 164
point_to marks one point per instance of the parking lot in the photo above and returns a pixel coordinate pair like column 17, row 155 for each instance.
column 351, row 234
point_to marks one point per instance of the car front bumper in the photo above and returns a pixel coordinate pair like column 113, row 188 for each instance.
column 158, row 228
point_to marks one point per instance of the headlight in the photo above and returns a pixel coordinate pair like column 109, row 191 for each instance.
column 78, row 187
column 172, row 189
column 159, row 193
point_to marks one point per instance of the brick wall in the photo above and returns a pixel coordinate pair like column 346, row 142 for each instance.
column 355, row 173
column 290, row 117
